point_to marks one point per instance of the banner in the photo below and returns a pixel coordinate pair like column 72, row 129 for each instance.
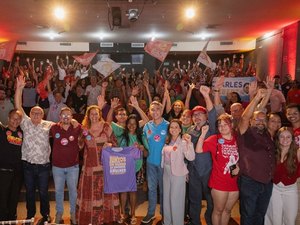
column 235, row 84
column 7, row 50
column 85, row 59
column 205, row 59
column 158, row 49
column 106, row 66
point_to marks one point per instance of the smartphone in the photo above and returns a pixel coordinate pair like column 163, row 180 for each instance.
column 231, row 168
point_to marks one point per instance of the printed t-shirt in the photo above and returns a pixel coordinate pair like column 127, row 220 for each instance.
column 10, row 148
column 119, row 169
column 65, row 151
column 224, row 154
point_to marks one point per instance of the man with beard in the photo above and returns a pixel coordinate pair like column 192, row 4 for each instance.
column 65, row 162
column 200, row 168
column 293, row 116
column 257, row 162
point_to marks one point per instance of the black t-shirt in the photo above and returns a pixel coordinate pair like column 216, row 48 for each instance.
column 10, row 148
column 78, row 102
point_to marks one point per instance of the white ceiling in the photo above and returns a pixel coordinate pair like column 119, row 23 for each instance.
column 31, row 20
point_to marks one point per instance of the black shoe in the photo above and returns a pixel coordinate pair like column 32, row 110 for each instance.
column 148, row 219
column 43, row 220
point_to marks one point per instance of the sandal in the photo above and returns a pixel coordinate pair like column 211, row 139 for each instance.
column 133, row 220
column 121, row 220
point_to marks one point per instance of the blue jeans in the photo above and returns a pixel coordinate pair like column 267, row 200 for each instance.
column 254, row 200
column 61, row 176
column 198, row 190
column 154, row 178
column 36, row 176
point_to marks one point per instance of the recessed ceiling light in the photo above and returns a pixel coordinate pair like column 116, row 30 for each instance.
column 59, row 13
column 190, row 13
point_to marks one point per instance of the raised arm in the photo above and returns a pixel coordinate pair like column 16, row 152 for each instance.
column 270, row 86
column 204, row 90
column 134, row 103
column 199, row 146
column 167, row 97
column 247, row 114
column 113, row 105
column 20, row 84
column 188, row 96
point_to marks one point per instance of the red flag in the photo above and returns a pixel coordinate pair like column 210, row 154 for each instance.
column 85, row 59
column 158, row 49
column 7, row 50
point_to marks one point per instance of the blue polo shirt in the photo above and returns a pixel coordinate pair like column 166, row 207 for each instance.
column 156, row 135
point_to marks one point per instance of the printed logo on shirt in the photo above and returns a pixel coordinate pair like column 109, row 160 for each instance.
column 149, row 132
column 13, row 140
column 163, row 132
column 117, row 165
column 157, row 138
column 174, row 148
column 57, row 135
column 64, row 141
column 71, row 138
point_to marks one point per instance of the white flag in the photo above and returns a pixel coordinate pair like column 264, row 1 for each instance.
column 204, row 58
column 106, row 66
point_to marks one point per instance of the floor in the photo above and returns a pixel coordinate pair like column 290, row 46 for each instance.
column 140, row 212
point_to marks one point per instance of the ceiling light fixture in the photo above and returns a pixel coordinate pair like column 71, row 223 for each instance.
column 59, row 13
column 190, row 13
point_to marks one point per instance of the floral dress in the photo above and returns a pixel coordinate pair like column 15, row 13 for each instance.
column 93, row 206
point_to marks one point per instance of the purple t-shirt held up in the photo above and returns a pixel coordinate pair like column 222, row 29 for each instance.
column 119, row 169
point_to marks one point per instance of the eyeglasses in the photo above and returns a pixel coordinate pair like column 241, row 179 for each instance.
column 65, row 116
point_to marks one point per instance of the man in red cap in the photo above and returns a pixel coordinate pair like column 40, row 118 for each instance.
column 200, row 168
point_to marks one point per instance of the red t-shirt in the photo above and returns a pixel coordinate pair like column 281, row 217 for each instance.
column 224, row 153
column 281, row 174
column 65, row 151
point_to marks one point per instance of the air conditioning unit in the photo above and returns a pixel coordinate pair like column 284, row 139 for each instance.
column 107, row 44
column 137, row 45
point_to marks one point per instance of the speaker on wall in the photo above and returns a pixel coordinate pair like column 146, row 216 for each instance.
column 116, row 16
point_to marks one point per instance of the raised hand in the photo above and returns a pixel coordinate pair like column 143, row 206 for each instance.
column 114, row 103
column 133, row 102
column 253, row 87
column 204, row 129
column 187, row 138
column 219, row 83
column 269, row 83
column 204, row 90
column 21, row 82
column 135, row 91
column 101, row 101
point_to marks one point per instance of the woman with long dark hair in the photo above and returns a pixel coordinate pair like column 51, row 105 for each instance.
column 132, row 136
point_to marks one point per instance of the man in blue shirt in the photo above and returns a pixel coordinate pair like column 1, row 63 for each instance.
column 155, row 132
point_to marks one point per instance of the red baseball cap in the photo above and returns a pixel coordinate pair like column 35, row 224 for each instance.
column 199, row 108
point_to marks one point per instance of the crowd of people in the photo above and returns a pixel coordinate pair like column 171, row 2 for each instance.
column 104, row 135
